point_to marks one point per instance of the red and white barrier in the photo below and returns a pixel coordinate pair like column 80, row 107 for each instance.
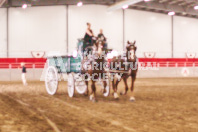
column 159, row 62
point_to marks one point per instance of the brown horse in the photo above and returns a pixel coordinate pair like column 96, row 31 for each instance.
column 127, row 67
column 95, row 68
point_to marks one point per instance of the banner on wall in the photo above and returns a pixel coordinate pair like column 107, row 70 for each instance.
column 38, row 54
column 185, row 72
column 149, row 54
column 190, row 55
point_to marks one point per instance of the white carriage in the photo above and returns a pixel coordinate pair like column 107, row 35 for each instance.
column 71, row 66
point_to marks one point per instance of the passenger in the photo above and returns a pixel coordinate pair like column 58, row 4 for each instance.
column 101, row 35
column 89, row 34
column 88, row 38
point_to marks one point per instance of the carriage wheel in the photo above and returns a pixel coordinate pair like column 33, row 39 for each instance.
column 51, row 80
column 80, row 84
column 107, row 88
column 70, row 85
column 81, row 87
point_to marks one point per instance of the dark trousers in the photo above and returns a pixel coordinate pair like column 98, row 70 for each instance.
column 86, row 44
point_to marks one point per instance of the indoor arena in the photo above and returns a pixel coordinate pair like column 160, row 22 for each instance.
column 98, row 65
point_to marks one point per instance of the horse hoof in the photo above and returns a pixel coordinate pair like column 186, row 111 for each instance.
column 132, row 99
column 94, row 100
column 85, row 94
column 91, row 97
column 122, row 93
column 103, row 91
column 116, row 99
column 116, row 96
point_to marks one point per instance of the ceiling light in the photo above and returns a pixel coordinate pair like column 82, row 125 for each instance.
column 24, row 6
column 171, row 13
column 196, row 7
column 125, row 7
column 146, row 0
column 79, row 4
column 119, row 5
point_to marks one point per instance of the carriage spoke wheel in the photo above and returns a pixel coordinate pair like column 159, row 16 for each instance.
column 107, row 88
column 51, row 80
column 80, row 85
column 70, row 85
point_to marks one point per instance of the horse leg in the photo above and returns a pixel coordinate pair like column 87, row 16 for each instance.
column 132, row 98
column 105, row 85
column 87, row 92
column 93, row 92
column 113, row 84
column 116, row 88
column 86, row 82
column 126, row 86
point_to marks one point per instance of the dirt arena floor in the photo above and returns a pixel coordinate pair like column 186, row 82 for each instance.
column 162, row 105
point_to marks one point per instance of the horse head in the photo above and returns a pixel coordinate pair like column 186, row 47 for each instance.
column 131, row 50
column 99, row 45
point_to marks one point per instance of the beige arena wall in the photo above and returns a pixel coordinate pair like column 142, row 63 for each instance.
column 39, row 74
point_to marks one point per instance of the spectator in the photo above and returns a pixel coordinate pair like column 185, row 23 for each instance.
column 23, row 76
